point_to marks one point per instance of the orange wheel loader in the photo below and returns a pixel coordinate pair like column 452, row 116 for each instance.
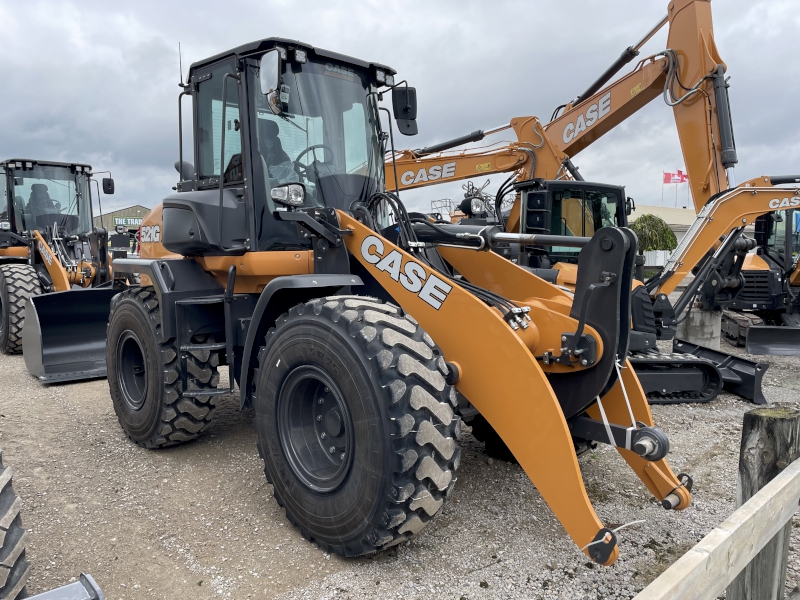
column 358, row 333
column 48, row 245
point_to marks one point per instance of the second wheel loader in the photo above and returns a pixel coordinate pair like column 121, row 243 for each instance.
column 48, row 244
column 343, row 324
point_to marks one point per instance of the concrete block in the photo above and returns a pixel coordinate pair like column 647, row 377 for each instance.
column 701, row 327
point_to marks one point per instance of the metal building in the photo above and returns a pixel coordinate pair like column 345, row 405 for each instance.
column 130, row 218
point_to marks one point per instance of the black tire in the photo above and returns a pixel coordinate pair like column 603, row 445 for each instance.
column 365, row 363
column 17, row 284
column 14, row 569
column 144, row 379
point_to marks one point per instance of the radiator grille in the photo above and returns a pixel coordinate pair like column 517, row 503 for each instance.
column 756, row 288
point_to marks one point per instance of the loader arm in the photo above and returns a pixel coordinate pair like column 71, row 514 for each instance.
column 544, row 151
column 520, row 402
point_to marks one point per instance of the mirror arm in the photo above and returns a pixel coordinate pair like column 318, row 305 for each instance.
column 391, row 141
column 99, row 204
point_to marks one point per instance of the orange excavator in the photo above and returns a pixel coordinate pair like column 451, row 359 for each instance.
column 550, row 196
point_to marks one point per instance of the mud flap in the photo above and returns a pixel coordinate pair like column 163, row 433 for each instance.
column 64, row 336
column 773, row 339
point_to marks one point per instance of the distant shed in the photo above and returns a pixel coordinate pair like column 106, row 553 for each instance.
column 130, row 218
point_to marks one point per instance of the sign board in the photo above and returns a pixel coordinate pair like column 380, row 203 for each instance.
column 128, row 221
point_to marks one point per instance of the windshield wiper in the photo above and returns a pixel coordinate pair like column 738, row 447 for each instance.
column 288, row 120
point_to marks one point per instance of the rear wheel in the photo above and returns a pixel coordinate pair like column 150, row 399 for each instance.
column 354, row 423
column 152, row 404
column 14, row 569
column 17, row 284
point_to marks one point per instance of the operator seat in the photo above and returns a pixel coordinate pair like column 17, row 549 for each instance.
column 269, row 144
column 40, row 201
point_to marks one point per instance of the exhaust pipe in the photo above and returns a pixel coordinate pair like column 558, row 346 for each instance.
column 64, row 335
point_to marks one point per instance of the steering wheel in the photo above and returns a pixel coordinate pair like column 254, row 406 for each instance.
column 311, row 148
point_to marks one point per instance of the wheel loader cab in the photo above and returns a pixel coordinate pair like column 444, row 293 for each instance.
column 41, row 195
column 321, row 130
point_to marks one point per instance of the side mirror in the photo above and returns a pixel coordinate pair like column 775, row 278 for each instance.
column 630, row 206
column 404, row 103
column 108, row 186
column 269, row 73
column 185, row 169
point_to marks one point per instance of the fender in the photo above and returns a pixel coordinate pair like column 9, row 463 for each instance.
column 269, row 307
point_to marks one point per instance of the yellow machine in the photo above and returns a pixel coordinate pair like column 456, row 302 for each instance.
column 358, row 333
column 48, row 244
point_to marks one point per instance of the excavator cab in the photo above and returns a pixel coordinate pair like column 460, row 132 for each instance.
column 569, row 209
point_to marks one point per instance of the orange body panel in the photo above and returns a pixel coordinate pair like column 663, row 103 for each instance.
column 16, row 251
column 753, row 262
column 254, row 270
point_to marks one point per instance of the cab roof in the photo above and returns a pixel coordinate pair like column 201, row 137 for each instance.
column 10, row 162
column 259, row 47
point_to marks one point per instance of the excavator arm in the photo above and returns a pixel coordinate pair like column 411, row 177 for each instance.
column 690, row 76
column 721, row 217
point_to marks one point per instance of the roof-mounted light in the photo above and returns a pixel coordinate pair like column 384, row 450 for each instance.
column 28, row 165
column 390, row 80
column 282, row 51
column 300, row 55
column 380, row 76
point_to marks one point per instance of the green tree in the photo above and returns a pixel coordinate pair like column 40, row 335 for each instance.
column 653, row 233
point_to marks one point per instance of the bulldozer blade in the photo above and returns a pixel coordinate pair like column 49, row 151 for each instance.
column 739, row 375
column 64, row 335
column 773, row 339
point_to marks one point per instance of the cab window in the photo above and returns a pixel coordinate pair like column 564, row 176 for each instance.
column 210, row 126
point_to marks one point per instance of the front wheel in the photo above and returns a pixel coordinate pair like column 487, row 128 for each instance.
column 17, row 284
column 153, row 405
column 354, row 423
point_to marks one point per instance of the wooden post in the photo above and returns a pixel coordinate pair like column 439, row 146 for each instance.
column 770, row 442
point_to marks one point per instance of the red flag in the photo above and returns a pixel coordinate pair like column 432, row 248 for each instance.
column 683, row 176
column 672, row 177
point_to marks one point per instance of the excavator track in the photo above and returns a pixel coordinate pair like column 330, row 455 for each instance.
column 736, row 324
column 675, row 378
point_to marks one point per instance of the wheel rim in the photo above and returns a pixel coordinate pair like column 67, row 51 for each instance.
column 315, row 428
column 131, row 370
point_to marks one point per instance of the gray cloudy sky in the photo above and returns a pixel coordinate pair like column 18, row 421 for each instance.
column 97, row 81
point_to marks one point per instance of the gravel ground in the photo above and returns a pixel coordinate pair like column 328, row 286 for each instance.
column 199, row 521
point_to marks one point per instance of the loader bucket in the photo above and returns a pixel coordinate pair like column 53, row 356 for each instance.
column 64, row 336
column 773, row 339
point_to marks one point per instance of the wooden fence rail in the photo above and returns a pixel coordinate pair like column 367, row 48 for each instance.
column 706, row 570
